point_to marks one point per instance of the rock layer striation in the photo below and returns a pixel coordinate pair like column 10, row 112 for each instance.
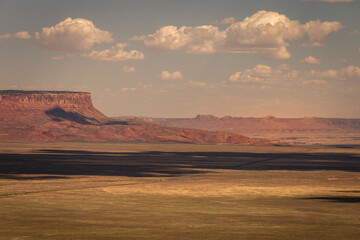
column 71, row 116
column 252, row 125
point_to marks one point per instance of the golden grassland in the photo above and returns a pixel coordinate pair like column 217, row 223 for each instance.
column 178, row 191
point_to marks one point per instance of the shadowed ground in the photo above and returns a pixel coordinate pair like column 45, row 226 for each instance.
column 178, row 191
column 145, row 164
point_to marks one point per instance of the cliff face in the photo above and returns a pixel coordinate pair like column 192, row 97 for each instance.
column 268, row 124
column 310, row 130
column 71, row 116
column 29, row 107
column 45, row 100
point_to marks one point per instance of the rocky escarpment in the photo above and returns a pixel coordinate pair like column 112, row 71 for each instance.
column 45, row 99
column 252, row 125
column 42, row 106
column 308, row 130
column 71, row 116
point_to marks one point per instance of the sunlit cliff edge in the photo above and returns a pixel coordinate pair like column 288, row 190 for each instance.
column 306, row 130
column 267, row 124
column 71, row 116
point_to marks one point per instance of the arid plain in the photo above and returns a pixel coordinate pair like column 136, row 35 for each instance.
column 59, row 190
column 67, row 171
column 180, row 120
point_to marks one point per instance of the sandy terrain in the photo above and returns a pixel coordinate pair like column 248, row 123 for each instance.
column 178, row 191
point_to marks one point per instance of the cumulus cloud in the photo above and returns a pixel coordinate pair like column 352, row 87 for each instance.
column 225, row 21
column 310, row 60
column 258, row 74
column 330, row 1
column 264, row 32
column 196, row 84
column 350, row 72
column 312, row 82
column 195, row 40
column 165, row 75
column 22, row 35
column 128, row 69
column 262, row 74
column 283, row 67
column 317, row 31
column 72, row 35
column 18, row 35
column 115, row 54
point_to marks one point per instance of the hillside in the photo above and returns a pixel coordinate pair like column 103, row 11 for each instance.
column 309, row 130
column 71, row 116
column 253, row 125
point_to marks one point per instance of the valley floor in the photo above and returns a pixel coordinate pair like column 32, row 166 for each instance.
column 178, row 191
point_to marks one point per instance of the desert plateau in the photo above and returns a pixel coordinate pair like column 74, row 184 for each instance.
column 180, row 120
column 69, row 172
column 71, row 116
column 178, row 191
column 300, row 131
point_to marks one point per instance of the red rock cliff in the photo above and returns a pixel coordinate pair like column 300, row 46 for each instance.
column 27, row 104
column 45, row 100
column 71, row 116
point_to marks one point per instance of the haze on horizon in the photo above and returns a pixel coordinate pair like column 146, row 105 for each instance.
column 182, row 58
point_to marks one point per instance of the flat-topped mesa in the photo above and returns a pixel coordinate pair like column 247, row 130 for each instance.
column 71, row 116
column 32, row 106
column 206, row 117
column 46, row 100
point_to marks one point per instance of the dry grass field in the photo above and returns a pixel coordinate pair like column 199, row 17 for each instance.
column 178, row 191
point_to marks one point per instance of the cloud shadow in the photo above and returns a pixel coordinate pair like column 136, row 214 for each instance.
column 338, row 199
column 52, row 162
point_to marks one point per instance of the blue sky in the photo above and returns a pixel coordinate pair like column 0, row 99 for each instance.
column 182, row 58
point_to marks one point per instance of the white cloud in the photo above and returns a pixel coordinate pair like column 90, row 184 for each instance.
column 262, row 74
column 196, row 83
column 310, row 60
column 165, row 75
column 317, row 31
column 115, row 54
column 72, row 35
column 18, row 35
column 350, row 72
column 128, row 69
column 264, row 32
column 258, row 74
column 225, row 21
column 316, row 82
column 330, row 1
column 22, row 35
column 202, row 39
column 283, row 67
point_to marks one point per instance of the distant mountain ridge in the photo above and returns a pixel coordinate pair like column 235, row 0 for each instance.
column 71, row 116
column 253, row 125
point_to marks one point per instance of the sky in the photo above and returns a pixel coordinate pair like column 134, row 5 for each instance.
column 157, row 58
